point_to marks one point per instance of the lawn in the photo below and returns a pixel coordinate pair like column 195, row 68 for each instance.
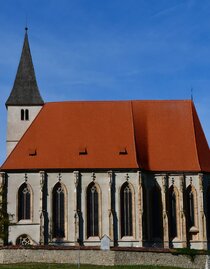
column 65, row 266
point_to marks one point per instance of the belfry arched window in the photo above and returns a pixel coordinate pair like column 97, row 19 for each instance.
column 24, row 114
column 24, row 202
column 190, row 196
column 92, row 210
column 172, row 213
column 126, row 210
column 58, row 211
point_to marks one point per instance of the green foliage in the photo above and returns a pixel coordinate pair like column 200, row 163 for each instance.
column 4, row 217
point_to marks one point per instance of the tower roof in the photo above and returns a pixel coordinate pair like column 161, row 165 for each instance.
column 25, row 90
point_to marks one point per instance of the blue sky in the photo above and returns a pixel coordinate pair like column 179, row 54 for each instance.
column 109, row 50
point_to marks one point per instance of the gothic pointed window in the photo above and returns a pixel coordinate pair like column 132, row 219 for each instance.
column 126, row 210
column 58, row 212
column 92, row 210
column 156, row 217
column 24, row 202
column 172, row 213
column 190, row 207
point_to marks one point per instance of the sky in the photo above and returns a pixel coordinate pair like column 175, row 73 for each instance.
column 109, row 50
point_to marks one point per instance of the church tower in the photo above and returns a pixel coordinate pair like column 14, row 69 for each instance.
column 25, row 101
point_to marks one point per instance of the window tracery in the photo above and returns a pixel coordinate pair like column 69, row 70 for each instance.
column 24, row 202
column 58, row 212
column 92, row 210
column 172, row 213
column 126, row 210
column 24, row 240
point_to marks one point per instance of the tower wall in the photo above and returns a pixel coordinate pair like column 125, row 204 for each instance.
column 16, row 126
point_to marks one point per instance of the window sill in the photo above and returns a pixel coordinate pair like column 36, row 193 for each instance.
column 24, row 221
column 175, row 239
column 127, row 238
column 93, row 238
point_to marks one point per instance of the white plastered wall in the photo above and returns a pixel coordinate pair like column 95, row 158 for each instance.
column 17, row 127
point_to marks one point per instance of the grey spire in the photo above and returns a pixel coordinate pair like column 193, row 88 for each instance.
column 25, row 90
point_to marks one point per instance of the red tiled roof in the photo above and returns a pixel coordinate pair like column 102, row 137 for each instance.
column 150, row 135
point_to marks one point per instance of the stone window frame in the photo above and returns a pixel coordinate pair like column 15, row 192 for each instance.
column 31, row 204
column 193, row 229
column 176, row 192
column 65, row 211
column 133, row 236
column 26, row 240
column 99, row 212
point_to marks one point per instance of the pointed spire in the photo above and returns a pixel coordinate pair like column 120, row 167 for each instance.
column 25, row 90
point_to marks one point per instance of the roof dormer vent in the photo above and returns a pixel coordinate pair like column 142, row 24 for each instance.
column 82, row 151
column 123, row 151
column 32, row 152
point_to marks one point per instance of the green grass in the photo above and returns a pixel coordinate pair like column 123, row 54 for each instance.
column 65, row 266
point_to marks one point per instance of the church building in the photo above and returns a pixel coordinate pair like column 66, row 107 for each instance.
column 135, row 171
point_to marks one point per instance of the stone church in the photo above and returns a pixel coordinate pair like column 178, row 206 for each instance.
column 135, row 171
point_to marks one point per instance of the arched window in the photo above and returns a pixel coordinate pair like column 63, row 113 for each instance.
column 190, row 207
column 126, row 210
column 172, row 213
column 26, row 114
column 157, row 219
column 24, row 202
column 22, row 113
column 58, row 211
column 92, row 210
column 24, row 240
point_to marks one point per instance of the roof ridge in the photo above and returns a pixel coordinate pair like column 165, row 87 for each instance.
column 113, row 101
